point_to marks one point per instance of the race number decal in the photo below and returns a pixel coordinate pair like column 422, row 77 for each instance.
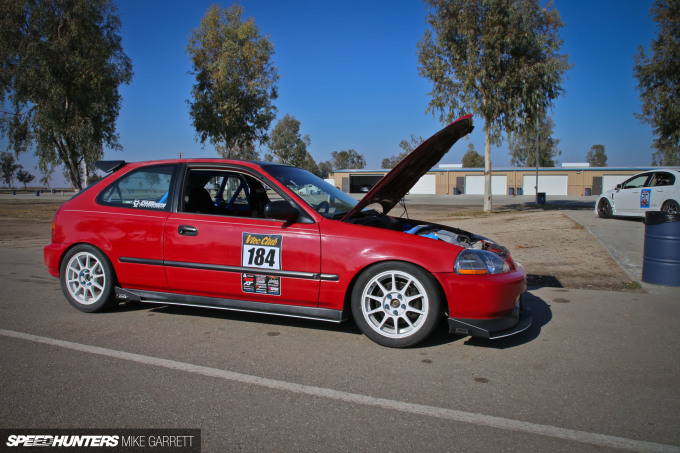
column 262, row 251
column 645, row 198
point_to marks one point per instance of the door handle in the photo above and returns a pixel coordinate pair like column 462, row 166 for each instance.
column 187, row 230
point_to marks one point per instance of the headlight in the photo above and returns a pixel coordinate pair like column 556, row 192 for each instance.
column 478, row 262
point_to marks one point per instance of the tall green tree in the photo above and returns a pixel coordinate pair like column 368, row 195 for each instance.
column 522, row 145
column 62, row 63
column 24, row 177
column 347, row 159
column 231, row 101
column 324, row 169
column 658, row 76
column 596, row 157
column 407, row 147
column 472, row 159
column 286, row 143
column 9, row 167
column 498, row 59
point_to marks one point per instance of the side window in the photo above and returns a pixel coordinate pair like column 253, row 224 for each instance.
column 636, row 181
column 663, row 179
column 227, row 193
column 146, row 188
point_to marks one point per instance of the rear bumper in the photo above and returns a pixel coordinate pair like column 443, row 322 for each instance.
column 52, row 254
column 518, row 321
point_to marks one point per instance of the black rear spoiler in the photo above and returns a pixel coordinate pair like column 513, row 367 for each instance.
column 108, row 166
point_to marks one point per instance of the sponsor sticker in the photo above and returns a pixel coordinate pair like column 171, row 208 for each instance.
column 148, row 204
column 261, row 284
column 645, row 198
column 262, row 251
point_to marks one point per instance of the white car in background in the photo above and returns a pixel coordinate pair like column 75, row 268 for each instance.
column 654, row 190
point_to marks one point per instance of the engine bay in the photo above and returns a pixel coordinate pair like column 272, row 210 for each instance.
column 450, row 235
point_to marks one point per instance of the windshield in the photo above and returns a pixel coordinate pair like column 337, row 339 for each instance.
column 324, row 198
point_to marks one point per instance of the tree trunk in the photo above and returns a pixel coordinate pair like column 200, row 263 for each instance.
column 487, row 170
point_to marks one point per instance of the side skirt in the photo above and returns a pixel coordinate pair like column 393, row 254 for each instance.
column 293, row 311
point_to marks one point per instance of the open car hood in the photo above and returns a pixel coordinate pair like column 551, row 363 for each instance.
column 396, row 184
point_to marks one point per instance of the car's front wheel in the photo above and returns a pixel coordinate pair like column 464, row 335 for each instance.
column 396, row 304
column 87, row 279
column 604, row 209
column 670, row 207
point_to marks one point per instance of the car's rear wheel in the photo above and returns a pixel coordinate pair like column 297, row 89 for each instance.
column 87, row 279
column 670, row 207
column 604, row 209
column 396, row 304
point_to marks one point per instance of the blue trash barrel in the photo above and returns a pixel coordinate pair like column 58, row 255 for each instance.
column 456, row 191
column 540, row 199
column 588, row 191
column 37, row 193
column 661, row 257
column 520, row 191
column 511, row 191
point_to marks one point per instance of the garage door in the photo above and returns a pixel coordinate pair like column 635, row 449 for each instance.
column 474, row 185
column 426, row 185
column 550, row 184
column 610, row 181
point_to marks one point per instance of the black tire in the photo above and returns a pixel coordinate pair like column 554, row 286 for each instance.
column 670, row 207
column 87, row 278
column 604, row 209
column 396, row 304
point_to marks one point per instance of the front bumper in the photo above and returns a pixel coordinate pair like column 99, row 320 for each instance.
column 518, row 321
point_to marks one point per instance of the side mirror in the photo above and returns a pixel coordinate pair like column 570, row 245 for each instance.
column 619, row 186
column 280, row 210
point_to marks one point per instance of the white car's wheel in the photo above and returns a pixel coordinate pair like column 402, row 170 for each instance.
column 87, row 279
column 396, row 304
column 670, row 207
column 604, row 209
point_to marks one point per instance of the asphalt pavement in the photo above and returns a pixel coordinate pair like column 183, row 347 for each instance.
column 598, row 371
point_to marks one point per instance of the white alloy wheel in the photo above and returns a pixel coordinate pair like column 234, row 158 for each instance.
column 85, row 278
column 396, row 304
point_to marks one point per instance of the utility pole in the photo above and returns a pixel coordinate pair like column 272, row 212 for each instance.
column 536, row 154
column 180, row 155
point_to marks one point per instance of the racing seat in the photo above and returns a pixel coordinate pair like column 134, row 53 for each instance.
column 200, row 201
column 258, row 198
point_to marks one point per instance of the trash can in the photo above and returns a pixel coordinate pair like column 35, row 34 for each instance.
column 511, row 191
column 37, row 193
column 456, row 191
column 14, row 192
column 520, row 191
column 588, row 191
column 661, row 257
column 540, row 198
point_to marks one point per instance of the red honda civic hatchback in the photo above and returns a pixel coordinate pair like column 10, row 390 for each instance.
column 269, row 238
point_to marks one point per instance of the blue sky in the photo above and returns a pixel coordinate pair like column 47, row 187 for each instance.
column 348, row 73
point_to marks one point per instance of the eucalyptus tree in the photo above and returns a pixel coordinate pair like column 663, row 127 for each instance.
column 658, row 76
column 231, row 101
column 596, row 157
column 62, row 63
column 472, row 159
column 287, row 144
column 407, row 147
column 522, row 145
column 498, row 59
